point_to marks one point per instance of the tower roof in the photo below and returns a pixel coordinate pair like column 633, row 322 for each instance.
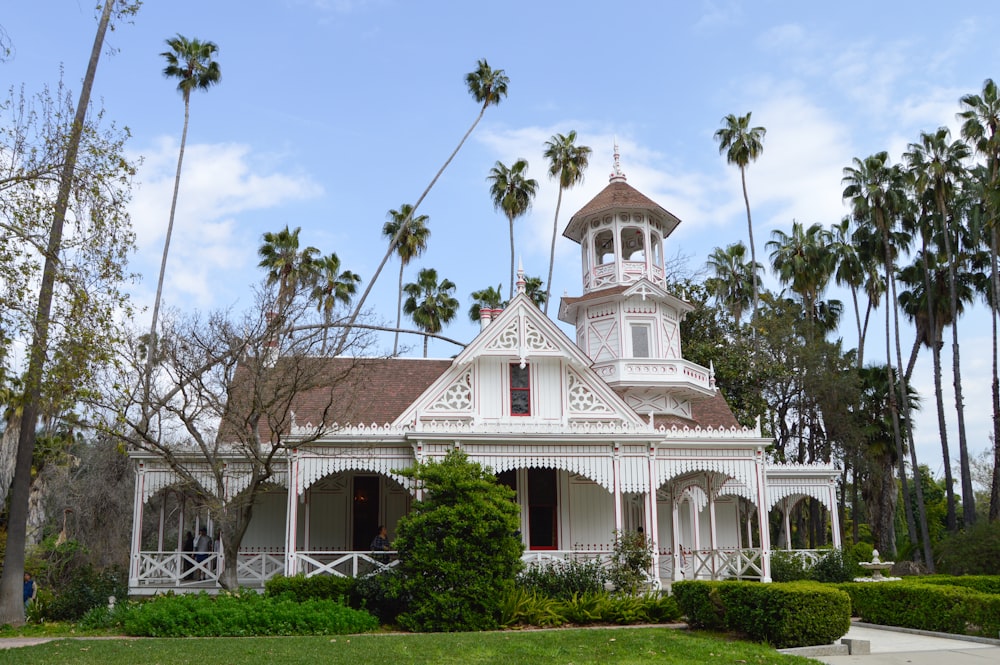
column 618, row 195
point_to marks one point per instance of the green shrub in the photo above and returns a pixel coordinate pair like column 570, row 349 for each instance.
column 84, row 589
column 780, row 614
column 530, row 608
column 381, row 594
column 975, row 551
column 980, row 583
column 630, row 562
column 935, row 607
column 243, row 614
column 563, row 579
column 836, row 566
column 458, row 549
column 786, row 567
column 105, row 617
column 318, row 587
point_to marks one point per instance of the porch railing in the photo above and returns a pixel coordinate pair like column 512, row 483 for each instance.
column 345, row 564
column 164, row 570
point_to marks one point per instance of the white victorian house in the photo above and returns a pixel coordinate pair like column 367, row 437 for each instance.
column 613, row 431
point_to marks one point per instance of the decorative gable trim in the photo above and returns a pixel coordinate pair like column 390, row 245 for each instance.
column 457, row 397
column 583, row 401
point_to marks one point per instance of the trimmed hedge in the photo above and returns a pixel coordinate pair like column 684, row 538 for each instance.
column 784, row 615
column 927, row 605
column 241, row 615
column 524, row 607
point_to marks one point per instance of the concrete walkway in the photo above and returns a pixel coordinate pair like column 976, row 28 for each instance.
column 901, row 646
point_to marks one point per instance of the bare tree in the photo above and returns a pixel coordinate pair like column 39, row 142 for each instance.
column 223, row 402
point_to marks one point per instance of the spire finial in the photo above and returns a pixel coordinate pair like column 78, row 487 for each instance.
column 521, row 281
column 616, row 174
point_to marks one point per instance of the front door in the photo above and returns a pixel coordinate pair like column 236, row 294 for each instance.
column 365, row 511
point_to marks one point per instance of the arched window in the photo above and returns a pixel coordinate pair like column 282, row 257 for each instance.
column 633, row 244
column 656, row 247
column 604, row 247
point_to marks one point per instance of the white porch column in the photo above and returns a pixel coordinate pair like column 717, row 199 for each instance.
column 652, row 516
column 762, row 521
column 292, row 515
column 616, row 471
column 834, row 515
column 695, row 524
column 676, row 539
column 137, row 507
column 713, row 538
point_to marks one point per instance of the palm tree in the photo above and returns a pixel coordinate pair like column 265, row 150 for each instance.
column 536, row 294
column 411, row 243
column 488, row 87
column 430, row 304
column 11, row 605
column 512, row 192
column 332, row 286
column 875, row 191
column 190, row 61
column 488, row 298
column 567, row 162
column 981, row 127
column 287, row 266
column 731, row 283
column 937, row 167
column 804, row 261
column 742, row 144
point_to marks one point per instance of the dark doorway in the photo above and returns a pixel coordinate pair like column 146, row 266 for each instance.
column 366, row 511
column 542, row 509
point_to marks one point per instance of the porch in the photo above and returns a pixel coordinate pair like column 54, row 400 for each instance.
column 160, row 571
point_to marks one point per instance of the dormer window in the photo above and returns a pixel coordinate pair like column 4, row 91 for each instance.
column 520, row 390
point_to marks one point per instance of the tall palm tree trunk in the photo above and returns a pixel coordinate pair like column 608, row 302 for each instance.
column 552, row 251
column 399, row 310
column 11, row 581
column 924, row 533
column 399, row 234
column 892, row 383
column 994, row 514
column 510, row 289
column 968, row 493
column 753, row 259
column 151, row 346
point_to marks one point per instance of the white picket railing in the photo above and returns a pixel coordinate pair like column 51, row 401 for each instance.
column 345, row 564
column 179, row 570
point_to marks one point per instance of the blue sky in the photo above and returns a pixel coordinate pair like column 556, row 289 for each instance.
column 332, row 112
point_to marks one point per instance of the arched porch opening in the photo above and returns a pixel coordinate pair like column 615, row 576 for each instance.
column 709, row 528
column 334, row 519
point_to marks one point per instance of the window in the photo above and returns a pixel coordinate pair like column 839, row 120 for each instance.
column 604, row 247
column 542, row 509
column 633, row 248
column 520, row 390
column 640, row 340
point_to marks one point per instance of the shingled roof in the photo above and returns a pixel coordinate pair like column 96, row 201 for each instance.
column 712, row 412
column 347, row 391
column 618, row 195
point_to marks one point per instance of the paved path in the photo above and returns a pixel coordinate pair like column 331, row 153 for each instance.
column 894, row 646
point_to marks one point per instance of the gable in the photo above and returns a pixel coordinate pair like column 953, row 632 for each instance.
column 562, row 386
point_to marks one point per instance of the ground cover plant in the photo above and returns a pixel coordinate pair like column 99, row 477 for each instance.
column 650, row 646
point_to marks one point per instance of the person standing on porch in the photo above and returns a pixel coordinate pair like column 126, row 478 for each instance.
column 202, row 547
column 381, row 542
column 187, row 548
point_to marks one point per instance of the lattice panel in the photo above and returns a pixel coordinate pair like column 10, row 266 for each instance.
column 506, row 340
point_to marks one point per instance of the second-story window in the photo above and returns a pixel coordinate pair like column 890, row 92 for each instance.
column 520, row 390
column 640, row 340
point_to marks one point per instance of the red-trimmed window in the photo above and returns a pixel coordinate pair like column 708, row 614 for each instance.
column 520, row 390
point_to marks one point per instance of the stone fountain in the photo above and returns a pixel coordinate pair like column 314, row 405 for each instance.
column 877, row 567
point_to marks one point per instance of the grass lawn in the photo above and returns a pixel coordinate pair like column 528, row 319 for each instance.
column 607, row 646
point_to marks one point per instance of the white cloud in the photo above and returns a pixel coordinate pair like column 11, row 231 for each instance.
column 220, row 184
